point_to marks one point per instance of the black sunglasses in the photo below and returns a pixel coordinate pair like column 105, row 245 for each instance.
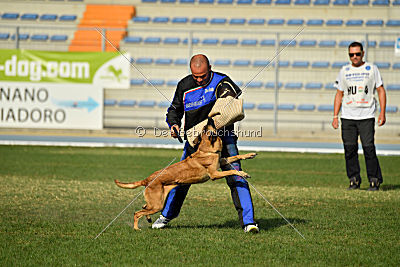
column 358, row 54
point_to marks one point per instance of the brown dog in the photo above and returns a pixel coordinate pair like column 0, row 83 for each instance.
column 197, row 168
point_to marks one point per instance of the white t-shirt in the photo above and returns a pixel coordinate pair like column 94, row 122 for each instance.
column 358, row 85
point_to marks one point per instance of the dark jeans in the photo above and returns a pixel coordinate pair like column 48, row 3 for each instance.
column 351, row 129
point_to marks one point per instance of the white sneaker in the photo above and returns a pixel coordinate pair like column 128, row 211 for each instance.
column 251, row 228
column 160, row 223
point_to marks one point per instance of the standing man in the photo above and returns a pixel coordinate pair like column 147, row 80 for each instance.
column 194, row 97
column 356, row 85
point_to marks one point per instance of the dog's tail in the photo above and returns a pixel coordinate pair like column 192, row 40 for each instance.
column 130, row 185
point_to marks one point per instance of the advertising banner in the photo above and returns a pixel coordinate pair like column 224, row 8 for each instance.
column 51, row 105
column 106, row 69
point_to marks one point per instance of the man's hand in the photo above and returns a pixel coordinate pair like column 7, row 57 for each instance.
column 381, row 119
column 173, row 134
column 335, row 123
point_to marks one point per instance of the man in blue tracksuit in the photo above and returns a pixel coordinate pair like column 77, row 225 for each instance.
column 194, row 97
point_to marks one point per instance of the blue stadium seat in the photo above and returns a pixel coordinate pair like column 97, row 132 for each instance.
column 172, row 40
column 241, row 63
column 295, row 22
column 327, row 43
column 271, row 85
column 315, row 22
column 334, row 22
column 152, row 40
column 247, row 105
column 59, row 38
column 325, row 107
column 230, row 42
column 39, row 37
column 21, row 36
column 374, row 22
column 286, row 106
column 67, row 18
column 293, row 85
column 210, row 41
column 313, row 86
column 393, row 23
column 147, row 103
column 306, row 107
column 283, row 63
column 330, row 86
column 172, row 82
column 167, row 1
column 300, row 64
column 320, row 64
column 339, row 64
column 386, row 44
column 29, row 16
column 308, row 43
column 48, row 17
column 206, row 1
column 380, row 3
column 180, row 20
column 391, row 109
column 341, row 2
column 199, row 20
column 256, row 21
column 156, row 82
column 181, row 61
column 160, row 20
column 164, row 104
column 396, row 2
column 149, row 1
column 4, row 36
column 254, row 84
column 127, row 103
column 218, row 21
column 244, row 2
column 141, row 19
column 345, row 43
column 186, row 1
column 135, row 82
column 222, row 62
column 194, row 41
column 260, row 63
column 282, row 2
column 360, row 2
column 267, row 42
column 276, row 22
column 263, row 2
column 382, row 65
column 321, row 2
column 396, row 66
column 10, row 16
column 289, row 43
column 393, row 87
column 239, row 83
column 249, row 42
column 163, row 61
column 237, row 21
column 354, row 22
column 265, row 106
column 371, row 43
column 133, row 39
column 225, row 2
column 110, row 102
column 144, row 60
column 302, row 2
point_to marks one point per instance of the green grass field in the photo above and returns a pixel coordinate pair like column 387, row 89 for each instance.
column 55, row 200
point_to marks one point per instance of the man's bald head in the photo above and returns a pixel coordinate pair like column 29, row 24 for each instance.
column 200, row 67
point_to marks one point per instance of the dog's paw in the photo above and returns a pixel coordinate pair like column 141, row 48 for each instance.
column 244, row 174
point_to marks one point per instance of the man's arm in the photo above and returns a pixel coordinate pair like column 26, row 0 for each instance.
column 175, row 112
column 382, row 104
column 227, row 88
column 336, row 107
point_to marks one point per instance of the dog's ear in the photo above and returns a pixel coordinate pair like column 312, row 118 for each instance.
column 213, row 138
column 197, row 140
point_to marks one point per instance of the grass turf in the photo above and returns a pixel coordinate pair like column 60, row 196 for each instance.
column 55, row 200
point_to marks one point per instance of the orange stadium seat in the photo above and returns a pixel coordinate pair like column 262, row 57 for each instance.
column 102, row 16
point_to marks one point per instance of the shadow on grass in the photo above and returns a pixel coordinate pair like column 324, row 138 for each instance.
column 388, row 187
column 264, row 224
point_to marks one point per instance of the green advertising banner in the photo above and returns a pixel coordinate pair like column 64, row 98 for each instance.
column 108, row 69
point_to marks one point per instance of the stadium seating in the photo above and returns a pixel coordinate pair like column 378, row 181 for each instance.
column 110, row 102
column 127, row 103
column 306, row 107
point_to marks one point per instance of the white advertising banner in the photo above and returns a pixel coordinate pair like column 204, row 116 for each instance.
column 51, row 105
